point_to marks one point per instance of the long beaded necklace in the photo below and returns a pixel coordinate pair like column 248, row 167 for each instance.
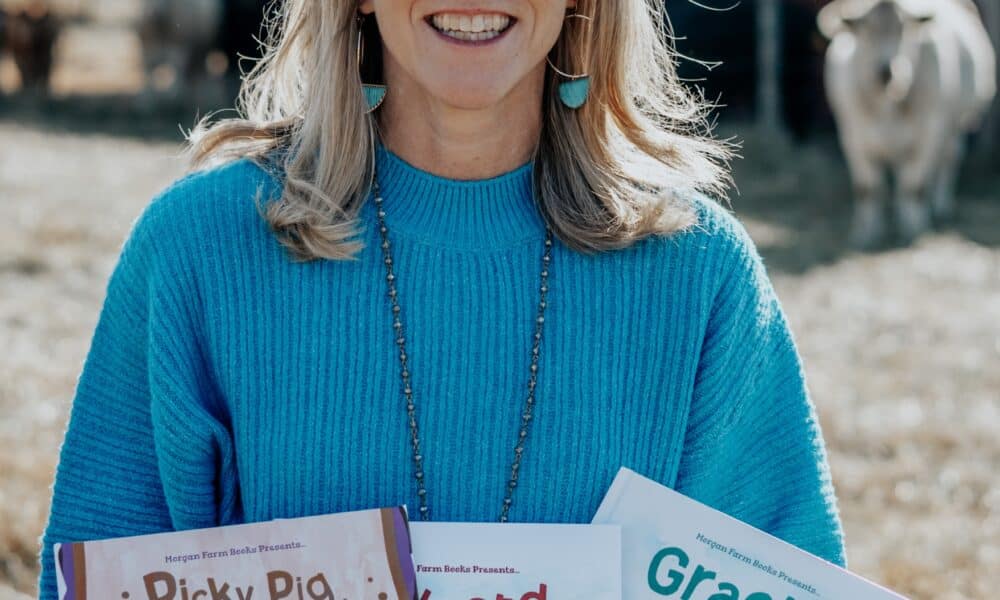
column 411, row 410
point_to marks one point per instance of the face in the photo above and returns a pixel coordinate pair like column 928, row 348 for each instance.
column 883, row 32
column 880, row 30
column 469, row 54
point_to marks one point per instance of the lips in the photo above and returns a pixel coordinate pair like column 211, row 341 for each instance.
column 477, row 27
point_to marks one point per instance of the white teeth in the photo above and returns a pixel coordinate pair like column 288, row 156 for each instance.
column 474, row 27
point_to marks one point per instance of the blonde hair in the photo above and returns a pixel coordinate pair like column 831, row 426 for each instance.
column 605, row 175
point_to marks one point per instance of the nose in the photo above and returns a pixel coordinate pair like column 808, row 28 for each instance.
column 885, row 73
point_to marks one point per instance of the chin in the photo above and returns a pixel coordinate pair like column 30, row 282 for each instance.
column 467, row 101
column 469, row 95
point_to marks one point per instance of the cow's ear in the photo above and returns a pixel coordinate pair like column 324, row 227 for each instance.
column 835, row 17
column 831, row 19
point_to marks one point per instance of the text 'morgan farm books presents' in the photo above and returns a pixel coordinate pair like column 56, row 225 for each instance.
column 356, row 555
column 676, row 547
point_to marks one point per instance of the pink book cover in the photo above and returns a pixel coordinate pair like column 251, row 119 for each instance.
column 358, row 555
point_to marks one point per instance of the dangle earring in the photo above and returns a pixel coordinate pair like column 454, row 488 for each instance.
column 374, row 93
column 573, row 93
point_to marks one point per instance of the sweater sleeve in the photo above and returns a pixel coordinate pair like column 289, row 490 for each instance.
column 107, row 483
column 753, row 445
column 145, row 445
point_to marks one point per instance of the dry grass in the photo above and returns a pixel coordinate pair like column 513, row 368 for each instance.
column 67, row 203
column 901, row 349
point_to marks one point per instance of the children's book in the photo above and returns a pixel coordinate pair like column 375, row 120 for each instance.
column 357, row 555
column 676, row 547
column 517, row 561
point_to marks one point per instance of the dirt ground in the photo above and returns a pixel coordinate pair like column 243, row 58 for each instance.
column 902, row 356
column 901, row 346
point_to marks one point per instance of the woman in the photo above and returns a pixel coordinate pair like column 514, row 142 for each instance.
column 524, row 288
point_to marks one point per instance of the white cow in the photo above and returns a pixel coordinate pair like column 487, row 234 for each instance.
column 906, row 80
column 178, row 34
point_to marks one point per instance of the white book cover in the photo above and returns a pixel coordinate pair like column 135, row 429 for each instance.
column 516, row 561
column 676, row 547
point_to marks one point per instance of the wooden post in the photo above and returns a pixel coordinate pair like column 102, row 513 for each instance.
column 769, row 67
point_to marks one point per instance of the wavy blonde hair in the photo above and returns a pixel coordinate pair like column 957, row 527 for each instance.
column 605, row 175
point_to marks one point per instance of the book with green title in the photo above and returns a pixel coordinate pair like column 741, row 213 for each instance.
column 676, row 547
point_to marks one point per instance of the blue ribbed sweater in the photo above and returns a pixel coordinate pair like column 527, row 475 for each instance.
column 226, row 383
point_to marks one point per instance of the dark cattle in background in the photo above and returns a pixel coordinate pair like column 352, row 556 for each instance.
column 29, row 34
column 177, row 38
column 187, row 35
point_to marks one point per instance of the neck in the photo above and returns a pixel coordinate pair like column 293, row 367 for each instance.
column 460, row 142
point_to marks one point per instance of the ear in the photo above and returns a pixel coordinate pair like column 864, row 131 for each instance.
column 571, row 4
column 830, row 19
column 843, row 15
column 366, row 7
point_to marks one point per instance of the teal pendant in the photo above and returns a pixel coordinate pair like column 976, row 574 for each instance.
column 573, row 93
column 374, row 95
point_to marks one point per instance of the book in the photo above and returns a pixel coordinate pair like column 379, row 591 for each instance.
column 357, row 555
column 676, row 547
column 517, row 561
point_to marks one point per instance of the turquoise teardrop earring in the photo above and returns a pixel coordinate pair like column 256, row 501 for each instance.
column 374, row 93
column 573, row 93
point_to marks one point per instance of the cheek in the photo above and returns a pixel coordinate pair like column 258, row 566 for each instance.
column 550, row 25
column 396, row 28
column 554, row 23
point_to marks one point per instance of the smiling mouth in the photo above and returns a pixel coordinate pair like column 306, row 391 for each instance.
column 471, row 28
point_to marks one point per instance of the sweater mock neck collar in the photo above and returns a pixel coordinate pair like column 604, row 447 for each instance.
column 492, row 213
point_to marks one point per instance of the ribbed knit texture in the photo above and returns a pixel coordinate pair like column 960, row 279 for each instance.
column 226, row 383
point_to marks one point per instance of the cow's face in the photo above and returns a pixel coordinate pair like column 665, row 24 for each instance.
column 885, row 32
column 879, row 34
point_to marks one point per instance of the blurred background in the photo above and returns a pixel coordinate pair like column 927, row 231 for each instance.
column 900, row 340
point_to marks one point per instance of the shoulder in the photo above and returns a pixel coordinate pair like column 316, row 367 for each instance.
column 712, row 263
column 206, row 193
column 719, row 227
column 742, row 288
column 717, row 243
column 193, row 206
column 196, row 219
